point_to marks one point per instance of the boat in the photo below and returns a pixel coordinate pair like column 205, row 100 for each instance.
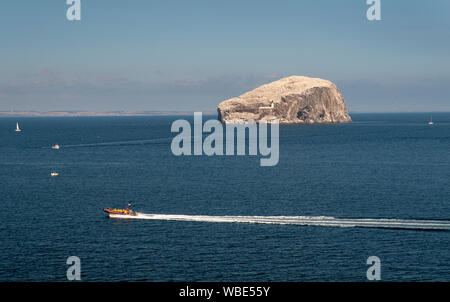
column 54, row 174
column 55, row 147
column 121, row 213
column 18, row 128
column 431, row 121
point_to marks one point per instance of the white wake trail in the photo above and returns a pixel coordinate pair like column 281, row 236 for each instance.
column 414, row 224
column 122, row 143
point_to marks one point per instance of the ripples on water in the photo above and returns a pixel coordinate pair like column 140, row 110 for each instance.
column 380, row 167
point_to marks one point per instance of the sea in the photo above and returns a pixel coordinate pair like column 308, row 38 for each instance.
column 379, row 186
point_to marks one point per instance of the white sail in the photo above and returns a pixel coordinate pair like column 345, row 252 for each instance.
column 17, row 127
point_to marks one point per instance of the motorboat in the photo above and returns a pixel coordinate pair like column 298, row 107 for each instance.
column 120, row 213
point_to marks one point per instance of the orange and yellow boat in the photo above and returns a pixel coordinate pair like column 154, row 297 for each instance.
column 125, row 212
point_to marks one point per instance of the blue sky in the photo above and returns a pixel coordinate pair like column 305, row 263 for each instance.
column 190, row 55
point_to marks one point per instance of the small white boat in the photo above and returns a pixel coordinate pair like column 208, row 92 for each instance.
column 55, row 147
column 17, row 127
column 54, row 174
column 431, row 121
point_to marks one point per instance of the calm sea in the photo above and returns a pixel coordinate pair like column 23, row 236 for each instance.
column 381, row 166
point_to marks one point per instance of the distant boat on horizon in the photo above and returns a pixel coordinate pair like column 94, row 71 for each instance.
column 17, row 128
column 431, row 121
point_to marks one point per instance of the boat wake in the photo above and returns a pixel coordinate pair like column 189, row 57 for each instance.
column 409, row 224
column 123, row 143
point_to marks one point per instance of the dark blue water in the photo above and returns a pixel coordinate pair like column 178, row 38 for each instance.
column 380, row 166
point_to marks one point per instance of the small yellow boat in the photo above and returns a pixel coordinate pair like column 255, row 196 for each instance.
column 123, row 212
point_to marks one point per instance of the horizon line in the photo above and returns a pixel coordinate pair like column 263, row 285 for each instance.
column 118, row 113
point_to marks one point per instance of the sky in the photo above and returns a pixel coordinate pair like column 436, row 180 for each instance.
column 189, row 55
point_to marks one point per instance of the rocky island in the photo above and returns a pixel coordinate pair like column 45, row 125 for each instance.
column 291, row 100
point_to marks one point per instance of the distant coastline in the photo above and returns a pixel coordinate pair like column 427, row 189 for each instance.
column 95, row 113
column 152, row 113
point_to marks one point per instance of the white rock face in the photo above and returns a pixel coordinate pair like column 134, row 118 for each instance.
column 292, row 100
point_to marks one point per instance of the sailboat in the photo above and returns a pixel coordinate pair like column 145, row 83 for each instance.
column 431, row 121
column 17, row 127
